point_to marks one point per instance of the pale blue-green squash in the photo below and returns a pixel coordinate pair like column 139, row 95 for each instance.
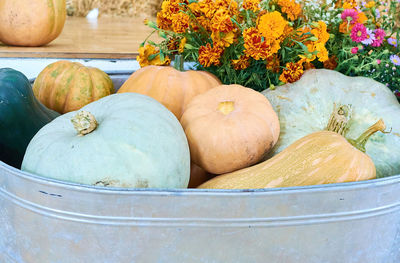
column 305, row 106
column 137, row 143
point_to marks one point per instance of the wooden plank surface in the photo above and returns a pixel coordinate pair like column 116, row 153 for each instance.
column 107, row 37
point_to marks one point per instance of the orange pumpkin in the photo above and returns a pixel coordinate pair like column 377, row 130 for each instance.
column 197, row 176
column 171, row 87
column 66, row 86
column 229, row 127
column 31, row 22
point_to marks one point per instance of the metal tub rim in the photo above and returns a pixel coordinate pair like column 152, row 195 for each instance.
column 395, row 179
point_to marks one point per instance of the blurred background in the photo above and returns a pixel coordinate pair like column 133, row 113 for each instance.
column 138, row 8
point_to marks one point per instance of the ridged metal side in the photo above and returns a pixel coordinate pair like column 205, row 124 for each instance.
column 49, row 221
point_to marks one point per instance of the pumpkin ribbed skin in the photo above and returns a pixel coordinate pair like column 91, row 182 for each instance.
column 68, row 86
column 320, row 158
column 229, row 127
column 31, row 22
column 172, row 88
column 136, row 143
column 305, row 106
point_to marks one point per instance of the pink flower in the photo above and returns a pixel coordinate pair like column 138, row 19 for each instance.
column 379, row 37
column 378, row 61
column 354, row 50
column 349, row 15
column 358, row 33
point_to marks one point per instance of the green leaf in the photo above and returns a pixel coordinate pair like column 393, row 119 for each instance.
column 152, row 56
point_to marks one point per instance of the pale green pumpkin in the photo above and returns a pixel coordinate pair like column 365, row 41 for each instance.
column 136, row 143
column 305, row 107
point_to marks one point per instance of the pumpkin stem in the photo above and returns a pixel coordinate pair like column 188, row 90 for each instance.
column 226, row 107
column 339, row 119
column 178, row 62
column 360, row 142
column 84, row 122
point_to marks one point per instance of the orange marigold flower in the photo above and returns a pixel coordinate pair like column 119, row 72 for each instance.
column 331, row 63
column 145, row 60
column 308, row 58
column 168, row 8
column 350, row 4
column 221, row 22
column 362, row 18
column 256, row 47
column 182, row 44
column 207, row 8
column 290, row 8
column 321, row 32
column 231, row 6
column 345, row 27
column 163, row 22
column 195, row 9
column 302, row 33
column 158, row 62
column 370, row 4
column 204, row 22
column 223, row 39
column 272, row 25
column 253, row 5
column 292, row 72
column 180, row 22
column 273, row 64
column 242, row 63
column 308, row 65
column 209, row 55
column 322, row 54
column 260, row 14
column 172, row 44
column 286, row 32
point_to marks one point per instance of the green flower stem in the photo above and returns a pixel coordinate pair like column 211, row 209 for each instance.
column 178, row 62
column 145, row 40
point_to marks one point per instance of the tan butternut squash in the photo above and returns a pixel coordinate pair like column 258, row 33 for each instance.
column 321, row 157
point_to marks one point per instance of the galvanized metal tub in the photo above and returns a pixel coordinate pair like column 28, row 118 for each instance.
column 44, row 220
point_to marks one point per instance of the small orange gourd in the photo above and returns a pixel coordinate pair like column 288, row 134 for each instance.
column 66, row 86
column 171, row 86
column 31, row 22
column 229, row 127
column 322, row 157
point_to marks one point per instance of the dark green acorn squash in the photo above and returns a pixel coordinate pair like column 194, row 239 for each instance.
column 21, row 116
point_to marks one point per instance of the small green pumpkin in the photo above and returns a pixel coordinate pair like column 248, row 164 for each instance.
column 305, row 107
column 122, row 140
column 21, row 116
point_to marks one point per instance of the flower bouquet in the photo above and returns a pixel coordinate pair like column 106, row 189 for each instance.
column 261, row 44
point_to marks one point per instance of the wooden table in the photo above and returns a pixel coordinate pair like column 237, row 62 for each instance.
column 107, row 37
